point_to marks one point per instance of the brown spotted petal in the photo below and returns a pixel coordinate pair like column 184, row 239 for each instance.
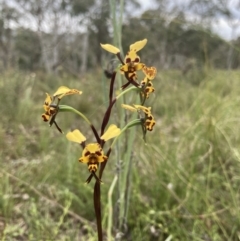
column 131, row 56
column 45, row 117
column 47, row 102
column 149, row 122
column 49, row 110
column 131, row 68
column 92, row 154
column 147, row 87
column 150, row 72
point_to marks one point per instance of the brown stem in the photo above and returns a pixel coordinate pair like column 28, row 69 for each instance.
column 97, row 207
column 97, row 198
column 96, row 134
column 120, row 58
column 103, row 164
column 131, row 80
column 125, row 85
column 111, row 86
column 107, row 116
column 111, row 103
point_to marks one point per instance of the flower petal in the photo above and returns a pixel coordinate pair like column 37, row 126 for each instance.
column 110, row 48
column 93, row 153
column 111, row 132
column 45, row 117
column 150, row 122
column 63, row 90
column 76, row 136
column 150, row 72
column 131, row 56
column 146, row 110
column 139, row 66
column 129, row 107
column 147, row 87
column 138, row 45
column 48, row 99
column 124, row 68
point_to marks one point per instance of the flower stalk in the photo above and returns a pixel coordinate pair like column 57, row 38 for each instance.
column 94, row 154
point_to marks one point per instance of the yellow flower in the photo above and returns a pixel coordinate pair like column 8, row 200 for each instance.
column 51, row 111
column 63, row 91
column 51, row 108
column 150, row 72
column 148, row 121
column 92, row 153
column 131, row 61
column 110, row 133
column 146, row 110
column 110, row 48
column 147, row 87
column 146, row 83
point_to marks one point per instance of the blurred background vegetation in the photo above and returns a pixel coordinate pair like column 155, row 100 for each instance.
column 185, row 182
column 64, row 35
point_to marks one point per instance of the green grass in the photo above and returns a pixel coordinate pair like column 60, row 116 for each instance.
column 185, row 183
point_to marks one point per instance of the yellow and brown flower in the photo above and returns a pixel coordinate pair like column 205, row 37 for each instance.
column 150, row 72
column 131, row 63
column 148, row 120
column 92, row 153
column 51, row 108
column 147, row 87
column 146, row 83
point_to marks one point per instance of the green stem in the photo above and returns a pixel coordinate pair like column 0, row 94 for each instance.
column 120, row 23
column 110, row 208
column 126, row 180
column 66, row 108
column 126, row 91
